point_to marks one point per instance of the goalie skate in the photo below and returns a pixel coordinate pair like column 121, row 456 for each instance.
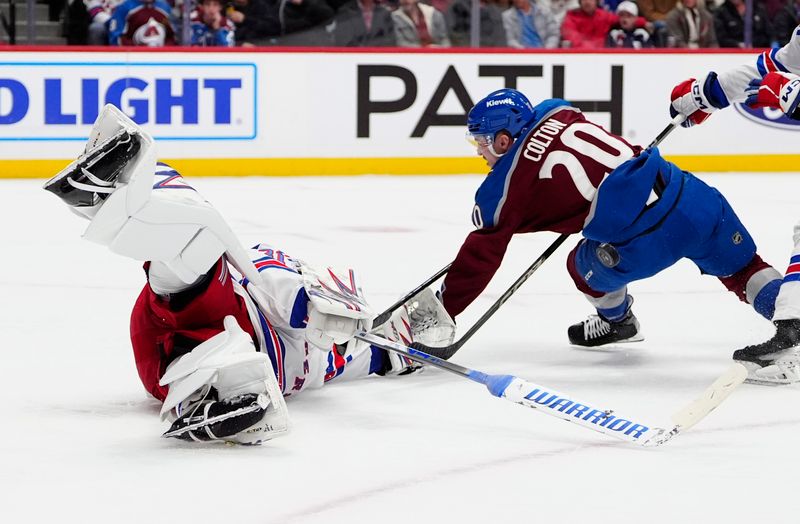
column 216, row 420
column 93, row 176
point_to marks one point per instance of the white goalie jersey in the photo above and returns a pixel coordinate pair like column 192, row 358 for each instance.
column 278, row 307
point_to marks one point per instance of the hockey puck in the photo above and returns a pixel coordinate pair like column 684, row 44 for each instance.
column 607, row 254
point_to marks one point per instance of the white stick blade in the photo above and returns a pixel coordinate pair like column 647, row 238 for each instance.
column 711, row 397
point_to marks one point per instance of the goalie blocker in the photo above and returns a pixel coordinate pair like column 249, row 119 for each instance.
column 220, row 353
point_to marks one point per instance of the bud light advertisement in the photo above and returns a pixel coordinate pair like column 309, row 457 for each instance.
column 55, row 101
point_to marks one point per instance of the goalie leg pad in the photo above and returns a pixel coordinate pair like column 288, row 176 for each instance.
column 228, row 364
column 142, row 211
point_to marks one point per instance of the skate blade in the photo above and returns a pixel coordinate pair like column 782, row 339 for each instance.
column 611, row 345
column 753, row 378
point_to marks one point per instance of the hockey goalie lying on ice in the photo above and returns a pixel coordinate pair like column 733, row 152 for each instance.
column 222, row 353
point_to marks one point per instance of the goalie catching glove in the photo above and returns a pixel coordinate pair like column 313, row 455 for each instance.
column 224, row 390
column 430, row 322
column 421, row 319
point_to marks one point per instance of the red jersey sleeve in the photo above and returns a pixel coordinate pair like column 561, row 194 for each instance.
column 475, row 265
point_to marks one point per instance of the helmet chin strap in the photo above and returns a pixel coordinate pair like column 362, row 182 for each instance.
column 492, row 151
column 495, row 153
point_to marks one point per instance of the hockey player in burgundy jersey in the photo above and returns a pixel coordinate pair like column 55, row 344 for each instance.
column 553, row 170
column 220, row 352
column 771, row 80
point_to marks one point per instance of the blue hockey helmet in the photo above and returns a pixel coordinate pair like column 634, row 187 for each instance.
column 504, row 109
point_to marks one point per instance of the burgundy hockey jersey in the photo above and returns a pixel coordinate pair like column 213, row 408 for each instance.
column 545, row 182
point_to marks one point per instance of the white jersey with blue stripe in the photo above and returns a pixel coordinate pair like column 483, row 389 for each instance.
column 277, row 307
column 734, row 83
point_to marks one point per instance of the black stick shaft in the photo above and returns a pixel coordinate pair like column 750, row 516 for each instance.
column 666, row 131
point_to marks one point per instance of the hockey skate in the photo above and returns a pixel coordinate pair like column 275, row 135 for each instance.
column 776, row 361
column 598, row 331
column 212, row 419
column 93, row 176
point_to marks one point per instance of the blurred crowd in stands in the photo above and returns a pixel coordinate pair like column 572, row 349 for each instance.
column 582, row 24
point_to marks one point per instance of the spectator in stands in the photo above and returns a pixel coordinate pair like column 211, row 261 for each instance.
column 625, row 33
column 141, row 23
column 587, row 26
column 99, row 12
column 256, row 21
column 729, row 25
column 363, row 23
column 304, row 22
column 559, row 8
column 690, row 25
column 419, row 25
column 210, row 27
column 656, row 10
column 530, row 25
column 785, row 21
column 492, row 33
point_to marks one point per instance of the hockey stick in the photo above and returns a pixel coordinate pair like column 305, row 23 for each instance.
column 446, row 352
column 566, row 407
column 383, row 317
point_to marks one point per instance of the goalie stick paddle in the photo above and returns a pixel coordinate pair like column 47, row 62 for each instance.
column 567, row 407
column 446, row 352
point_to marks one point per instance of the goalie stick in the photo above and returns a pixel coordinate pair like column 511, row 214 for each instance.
column 584, row 414
column 446, row 352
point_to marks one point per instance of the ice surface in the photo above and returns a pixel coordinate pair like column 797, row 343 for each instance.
column 79, row 439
